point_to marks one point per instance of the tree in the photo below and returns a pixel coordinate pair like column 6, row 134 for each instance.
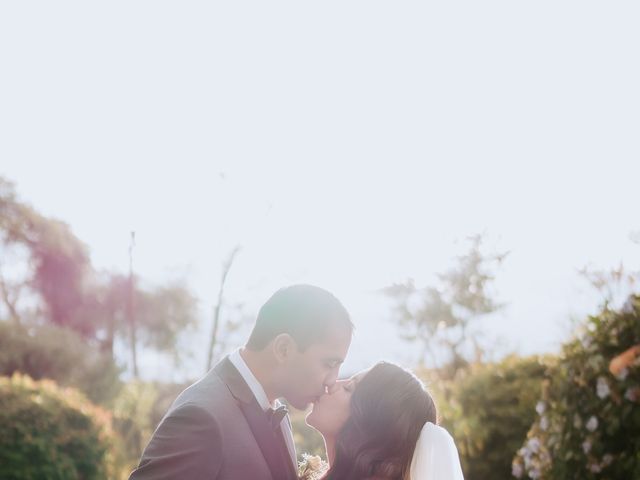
column 613, row 285
column 69, row 292
column 10, row 297
column 441, row 319
column 216, row 330
column 162, row 314
column 58, row 262
column 60, row 354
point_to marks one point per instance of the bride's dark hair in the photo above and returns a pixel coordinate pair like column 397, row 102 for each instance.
column 389, row 407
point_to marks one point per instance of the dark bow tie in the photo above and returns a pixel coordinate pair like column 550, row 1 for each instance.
column 275, row 416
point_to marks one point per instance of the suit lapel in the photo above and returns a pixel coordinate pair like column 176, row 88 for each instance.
column 291, row 456
column 290, row 462
column 281, row 468
column 234, row 381
column 267, row 440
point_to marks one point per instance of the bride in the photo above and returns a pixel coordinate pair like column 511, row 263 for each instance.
column 381, row 425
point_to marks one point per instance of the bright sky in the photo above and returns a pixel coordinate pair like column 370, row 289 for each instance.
column 346, row 144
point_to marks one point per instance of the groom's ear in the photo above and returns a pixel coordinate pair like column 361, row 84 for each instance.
column 283, row 347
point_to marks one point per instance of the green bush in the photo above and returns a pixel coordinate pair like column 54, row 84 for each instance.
column 588, row 426
column 61, row 355
column 137, row 411
column 488, row 409
column 50, row 432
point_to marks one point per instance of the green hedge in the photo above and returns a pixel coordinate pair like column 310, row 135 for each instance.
column 59, row 354
column 488, row 409
column 47, row 432
column 588, row 423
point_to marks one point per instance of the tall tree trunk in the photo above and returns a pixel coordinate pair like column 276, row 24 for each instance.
column 130, row 310
column 10, row 301
column 107, row 344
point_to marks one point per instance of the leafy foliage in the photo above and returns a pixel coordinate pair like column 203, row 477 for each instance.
column 50, row 432
column 489, row 408
column 137, row 411
column 60, row 280
column 161, row 313
column 59, row 354
column 59, row 260
column 588, row 426
column 441, row 318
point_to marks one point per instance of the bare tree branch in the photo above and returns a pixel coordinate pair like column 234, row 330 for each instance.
column 213, row 340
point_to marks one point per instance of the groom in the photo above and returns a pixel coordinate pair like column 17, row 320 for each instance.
column 230, row 424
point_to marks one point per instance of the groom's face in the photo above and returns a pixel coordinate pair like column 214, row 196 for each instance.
column 312, row 371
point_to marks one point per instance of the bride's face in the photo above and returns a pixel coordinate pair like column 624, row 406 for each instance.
column 332, row 410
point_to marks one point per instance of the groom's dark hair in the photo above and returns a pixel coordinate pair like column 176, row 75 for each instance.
column 303, row 311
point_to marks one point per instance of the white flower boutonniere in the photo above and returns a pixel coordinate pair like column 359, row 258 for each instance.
column 312, row 467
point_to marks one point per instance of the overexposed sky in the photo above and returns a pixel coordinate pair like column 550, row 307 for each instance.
column 346, row 144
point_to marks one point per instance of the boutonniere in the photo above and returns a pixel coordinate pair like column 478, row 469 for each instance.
column 312, row 467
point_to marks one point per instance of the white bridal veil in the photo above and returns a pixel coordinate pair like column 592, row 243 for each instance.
column 436, row 456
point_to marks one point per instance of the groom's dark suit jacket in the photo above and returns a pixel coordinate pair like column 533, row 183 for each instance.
column 216, row 429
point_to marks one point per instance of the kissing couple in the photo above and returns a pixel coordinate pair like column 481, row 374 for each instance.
column 380, row 424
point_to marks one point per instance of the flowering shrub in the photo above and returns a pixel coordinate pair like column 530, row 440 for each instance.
column 588, row 422
column 50, row 432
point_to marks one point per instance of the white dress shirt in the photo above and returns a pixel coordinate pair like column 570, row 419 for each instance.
column 258, row 392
